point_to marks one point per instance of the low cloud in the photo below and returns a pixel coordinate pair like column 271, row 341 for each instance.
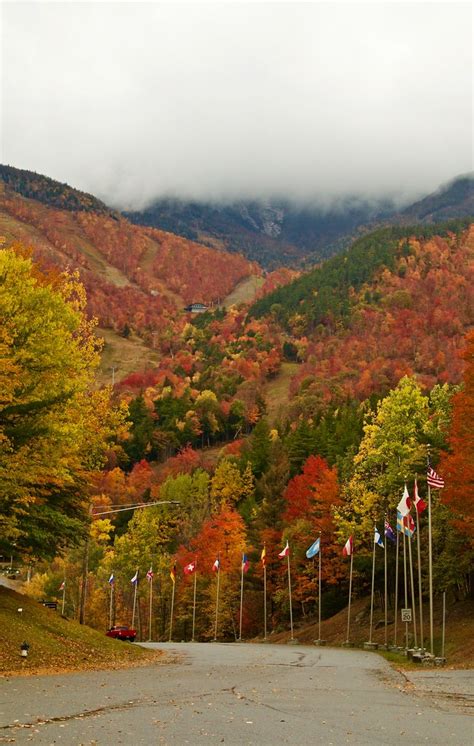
column 220, row 102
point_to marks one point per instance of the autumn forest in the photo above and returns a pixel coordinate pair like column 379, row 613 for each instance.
column 301, row 411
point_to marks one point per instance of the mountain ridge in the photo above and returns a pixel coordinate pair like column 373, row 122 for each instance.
column 279, row 233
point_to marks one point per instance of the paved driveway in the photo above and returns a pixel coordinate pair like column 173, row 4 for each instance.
column 233, row 694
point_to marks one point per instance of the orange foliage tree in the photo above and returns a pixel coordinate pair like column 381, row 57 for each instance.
column 457, row 466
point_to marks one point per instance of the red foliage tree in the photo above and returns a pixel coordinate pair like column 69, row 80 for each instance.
column 457, row 467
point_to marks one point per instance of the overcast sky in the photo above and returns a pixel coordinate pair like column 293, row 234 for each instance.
column 132, row 101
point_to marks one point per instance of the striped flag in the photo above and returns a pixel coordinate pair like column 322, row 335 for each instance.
column 216, row 565
column 433, row 479
column 285, row 552
column 62, row 586
column 405, row 524
column 112, row 579
column 149, row 575
column 134, row 580
column 420, row 504
column 245, row 563
column 348, row 547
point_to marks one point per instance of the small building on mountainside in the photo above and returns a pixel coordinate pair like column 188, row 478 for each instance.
column 196, row 308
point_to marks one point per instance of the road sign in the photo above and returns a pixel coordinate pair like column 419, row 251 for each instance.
column 406, row 615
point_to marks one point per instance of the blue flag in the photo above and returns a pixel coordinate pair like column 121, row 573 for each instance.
column 389, row 532
column 377, row 538
column 314, row 549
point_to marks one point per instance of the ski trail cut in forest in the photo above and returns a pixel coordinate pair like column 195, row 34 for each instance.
column 124, row 355
column 244, row 292
column 276, row 391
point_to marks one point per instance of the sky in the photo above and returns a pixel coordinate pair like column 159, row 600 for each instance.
column 225, row 101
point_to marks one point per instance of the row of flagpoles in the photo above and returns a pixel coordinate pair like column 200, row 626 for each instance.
column 405, row 526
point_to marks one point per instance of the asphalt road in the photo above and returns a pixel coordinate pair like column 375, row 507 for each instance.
column 232, row 694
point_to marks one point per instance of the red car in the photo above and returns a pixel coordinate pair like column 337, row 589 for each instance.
column 120, row 632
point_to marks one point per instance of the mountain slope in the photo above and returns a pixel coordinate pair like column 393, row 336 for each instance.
column 136, row 278
column 381, row 310
column 274, row 233
column 51, row 192
column 279, row 232
column 453, row 200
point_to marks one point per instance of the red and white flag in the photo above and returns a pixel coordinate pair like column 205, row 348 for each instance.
column 434, row 480
column 348, row 547
column 216, row 565
column 420, row 504
column 189, row 569
column 285, row 552
column 404, row 505
column 62, row 586
column 149, row 575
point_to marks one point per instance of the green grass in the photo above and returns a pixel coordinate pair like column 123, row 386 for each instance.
column 55, row 643
column 276, row 391
column 244, row 292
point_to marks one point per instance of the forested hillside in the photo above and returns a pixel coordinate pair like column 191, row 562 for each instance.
column 137, row 279
column 454, row 200
column 51, row 192
column 375, row 339
column 381, row 310
column 283, row 233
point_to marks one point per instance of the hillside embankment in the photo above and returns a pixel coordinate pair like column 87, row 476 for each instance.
column 57, row 644
column 459, row 642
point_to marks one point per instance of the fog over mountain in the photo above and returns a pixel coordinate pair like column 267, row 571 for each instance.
column 221, row 102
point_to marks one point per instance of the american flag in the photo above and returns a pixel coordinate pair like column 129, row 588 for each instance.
column 433, row 479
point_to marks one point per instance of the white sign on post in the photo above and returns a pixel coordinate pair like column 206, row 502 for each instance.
column 406, row 615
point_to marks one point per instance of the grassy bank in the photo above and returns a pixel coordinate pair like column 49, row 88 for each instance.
column 56, row 644
column 459, row 644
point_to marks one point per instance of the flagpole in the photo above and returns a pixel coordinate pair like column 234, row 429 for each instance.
column 412, row 590
column 385, row 582
column 405, row 579
column 217, row 600
column 396, row 589
column 111, row 605
column 64, row 596
column 172, row 610
column 430, row 568
column 265, row 595
column 319, row 590
column 134, row 601
column 289, row 591
column 420, row 590
column 194, row 599
column 349, row 605
column 151, row 606
column 241, row 597
column 372, row 591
